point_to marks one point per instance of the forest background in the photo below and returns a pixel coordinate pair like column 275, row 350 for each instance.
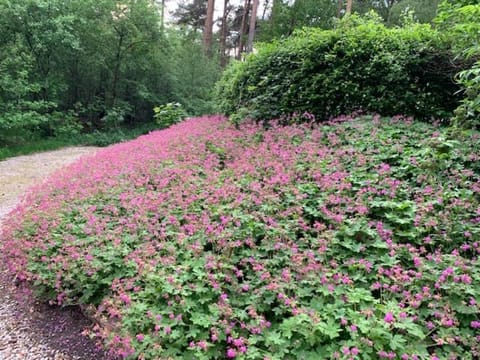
column 92, row 71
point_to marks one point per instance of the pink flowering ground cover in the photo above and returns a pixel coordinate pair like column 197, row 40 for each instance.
column 352, row 239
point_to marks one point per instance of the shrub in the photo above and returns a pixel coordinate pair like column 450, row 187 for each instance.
column 28, row 120
column 169, row 114
column 116, row 116
column 459, row 22
column 358, row 239
column 361, row 65
column 468, row 113
column 24, row 122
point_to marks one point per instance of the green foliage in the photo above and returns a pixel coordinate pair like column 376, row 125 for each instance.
column 193, row 74
column 31, row 120
column 360, row 65
column 191, row 14
column 116, row 115
column 105, row 62
column 71, row 54
column 460, row 25
column 468, row 113
column 344, row 240
column 287, row 16
column 383, row 8
column 423, row 11
column 169, row 114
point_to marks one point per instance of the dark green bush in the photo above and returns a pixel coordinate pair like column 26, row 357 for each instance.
column 361, row 65
column 31, row 121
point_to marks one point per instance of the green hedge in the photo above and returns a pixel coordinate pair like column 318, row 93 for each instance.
column 360, row 65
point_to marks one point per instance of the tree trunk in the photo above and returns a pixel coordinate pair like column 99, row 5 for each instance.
column 349, row 7
column 265, row 8
column 339, row 8
column 208, row 31
column 116, row 71
column 223, row 35
column 253, row 22
column 243, row 28
column 163, row 16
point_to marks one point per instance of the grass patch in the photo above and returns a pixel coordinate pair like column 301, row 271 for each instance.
column 16, row 147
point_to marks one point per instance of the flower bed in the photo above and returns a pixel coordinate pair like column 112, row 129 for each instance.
column 349, row 240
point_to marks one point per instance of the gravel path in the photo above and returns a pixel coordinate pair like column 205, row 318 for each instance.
column 30, row 330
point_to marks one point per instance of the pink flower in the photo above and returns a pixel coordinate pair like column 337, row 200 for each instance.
column 140, row 337
column 125, row 298
column 231, row 353
column 389, row 318
column 238, row 342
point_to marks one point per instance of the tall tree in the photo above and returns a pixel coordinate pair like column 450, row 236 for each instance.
column 339, row 8
column 243, row 29
column 195, row 74
column 192, row 14
column 106, row 61
column 382, row 7
column 266, row 6
column 223, row 33
column 87, row 55
column 286, row 16
column 349, row 7
column 424, row 11
column 253, row 22
column 208, row 31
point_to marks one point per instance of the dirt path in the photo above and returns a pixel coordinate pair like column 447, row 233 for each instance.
column 30, row 330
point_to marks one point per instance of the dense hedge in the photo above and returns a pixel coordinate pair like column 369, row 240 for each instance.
column 360, row 65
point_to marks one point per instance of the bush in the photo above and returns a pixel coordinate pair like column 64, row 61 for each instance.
column 169, row 114
column 361, row 65
column 459, row 22
column 116, row 116
column 28, row 120
column 345, row 240
column 468, row 113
